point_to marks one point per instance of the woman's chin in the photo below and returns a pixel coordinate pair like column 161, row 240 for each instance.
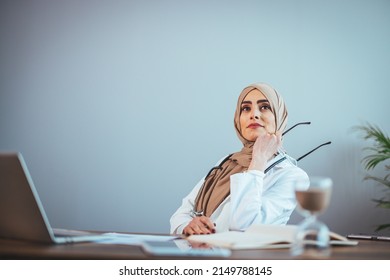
column 251, row 138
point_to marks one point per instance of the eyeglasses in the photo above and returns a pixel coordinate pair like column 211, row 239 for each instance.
column 308, row 153
column 295, row 125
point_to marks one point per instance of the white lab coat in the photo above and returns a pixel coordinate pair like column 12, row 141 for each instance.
column 255, row 198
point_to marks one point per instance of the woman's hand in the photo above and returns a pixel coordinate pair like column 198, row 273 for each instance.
column 266, row 145
column 199, row 225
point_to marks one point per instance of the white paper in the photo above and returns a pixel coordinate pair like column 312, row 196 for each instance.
column 261, row 236
column 133, row 239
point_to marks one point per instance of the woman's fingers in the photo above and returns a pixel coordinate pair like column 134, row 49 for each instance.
column 267, row 144
column 265, row 147
column 207, row 223
column 199, row 225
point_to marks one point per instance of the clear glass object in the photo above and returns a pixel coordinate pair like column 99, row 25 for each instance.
column 312, row 235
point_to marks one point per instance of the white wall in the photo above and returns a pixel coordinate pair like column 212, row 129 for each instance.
column 120, row 107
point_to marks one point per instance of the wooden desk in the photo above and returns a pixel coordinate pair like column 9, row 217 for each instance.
column 13, row 249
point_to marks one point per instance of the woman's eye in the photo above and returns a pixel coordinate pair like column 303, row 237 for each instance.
column 265, row 107
column 245, row 109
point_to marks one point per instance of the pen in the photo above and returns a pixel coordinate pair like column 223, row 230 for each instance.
column 368, row 237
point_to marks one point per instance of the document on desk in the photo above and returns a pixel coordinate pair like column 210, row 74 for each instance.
column 133, row 239
column 262, row 237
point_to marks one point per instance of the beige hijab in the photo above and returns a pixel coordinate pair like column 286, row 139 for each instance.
column 216, row 186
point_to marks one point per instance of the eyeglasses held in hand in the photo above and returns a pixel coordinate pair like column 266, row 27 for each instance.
column 308, row 153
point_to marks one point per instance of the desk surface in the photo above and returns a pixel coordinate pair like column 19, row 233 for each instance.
column 15, row 249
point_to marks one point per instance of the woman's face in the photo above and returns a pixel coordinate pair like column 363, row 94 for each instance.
column 256, row 116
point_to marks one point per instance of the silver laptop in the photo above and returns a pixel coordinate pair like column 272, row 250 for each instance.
column 21, row 212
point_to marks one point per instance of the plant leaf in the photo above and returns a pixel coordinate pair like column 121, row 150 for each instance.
column 382, row 227
column 373, row 160
column 381, row 148
column 382, row 203
column 383, row 181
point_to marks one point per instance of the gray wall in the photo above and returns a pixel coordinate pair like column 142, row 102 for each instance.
column 120, row 107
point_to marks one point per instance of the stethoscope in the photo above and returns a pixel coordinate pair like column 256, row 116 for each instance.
column 200, row 213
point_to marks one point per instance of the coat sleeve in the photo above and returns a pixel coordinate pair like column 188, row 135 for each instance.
column 183, row 215
column 253, row 203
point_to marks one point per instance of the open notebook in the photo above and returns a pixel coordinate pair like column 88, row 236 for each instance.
column 261, row 236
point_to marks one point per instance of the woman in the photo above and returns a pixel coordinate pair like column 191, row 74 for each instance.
column 253, row 186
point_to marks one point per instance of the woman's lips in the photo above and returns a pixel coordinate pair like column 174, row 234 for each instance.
column 254, row 125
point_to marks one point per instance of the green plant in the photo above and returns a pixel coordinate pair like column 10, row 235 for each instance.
column 378, row 152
